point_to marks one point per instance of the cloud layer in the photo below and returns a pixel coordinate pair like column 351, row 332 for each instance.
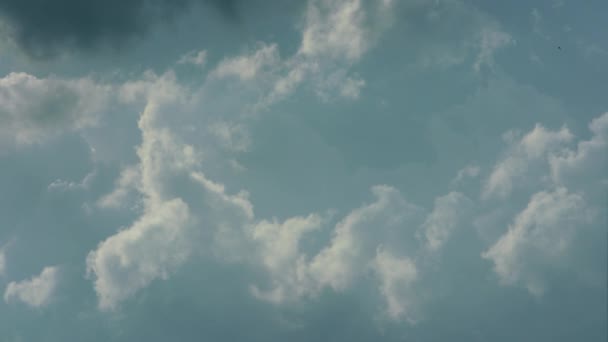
column 44, row 29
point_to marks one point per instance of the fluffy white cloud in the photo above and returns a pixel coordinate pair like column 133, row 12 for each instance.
column 335, row 35
column 35, row 292
column 396, row 275
column 532, row 148
column 248, row 66
column 539, row 238
column 128, row 180
column 157, row 242
column 34, row 109
column 444, row 218
column 587, row 166
column 358, row 235
column 151, row 248
column 334, row 28
column 349, row 255
column 182, row 206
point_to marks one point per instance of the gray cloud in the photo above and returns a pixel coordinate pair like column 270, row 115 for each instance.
column 44, row 28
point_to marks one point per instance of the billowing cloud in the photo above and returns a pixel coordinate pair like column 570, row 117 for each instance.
column 149, row 249
column 445, row 217
column 35, row 292
column 523, row 153
column 179, row 228
column 397, row 275
column 334, row 28
column 34, row 109
column 156, row 243
column 335, row 35
column 588, row 163
column 248, row 66
column 539, row 238
column 349, row 254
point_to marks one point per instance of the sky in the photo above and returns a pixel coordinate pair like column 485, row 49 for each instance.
column 314, row 170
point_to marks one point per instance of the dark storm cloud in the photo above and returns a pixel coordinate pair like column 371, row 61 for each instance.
column 42, row 28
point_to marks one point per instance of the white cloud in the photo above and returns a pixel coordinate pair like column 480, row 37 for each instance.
column 198, row 58
column 279, row 241
column 444, row 218
column 34, row 109
column 248, row 66
column 278, row 245
column 534, row 147
column 587, row 166
column 334, row 29
column 358, row 235
column 150, row 249
column 335, row 35
column 128, row 180
column 157, row 242
column 396, row 275
column 539, row 238
column 170, row 186
column 35, row 292
column 350, row 253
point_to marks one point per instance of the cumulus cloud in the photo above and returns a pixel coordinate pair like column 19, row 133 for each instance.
column 588, row 163
column 124, row 185
column 539, row 238
column 248, row 66
column 349, row 255
column 397, row 275
column 43, row 29
column 445, row 217
column 34, row 109
column 36, row 292
column 170, row 184
column 183, row 206
column 354, row 243
column 149, row 249
column 335, row 35
column 180, row 205
column 156, row 243
column 531, row 149
column 334, row 28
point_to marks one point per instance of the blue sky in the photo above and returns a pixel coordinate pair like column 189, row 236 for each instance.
column 325, row 170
